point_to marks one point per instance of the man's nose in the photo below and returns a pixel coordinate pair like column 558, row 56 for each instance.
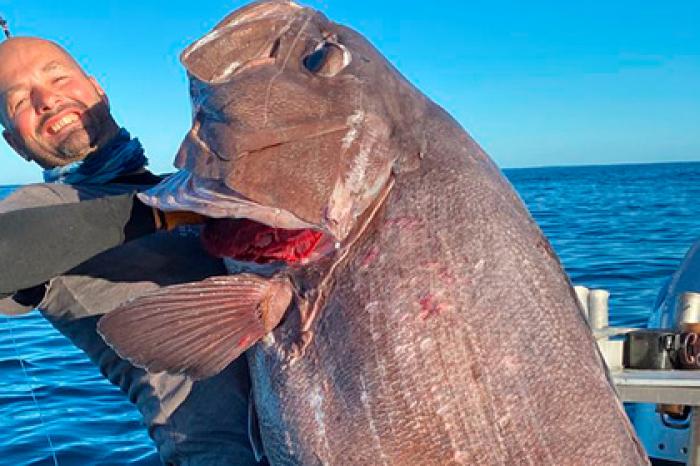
column 44, row 99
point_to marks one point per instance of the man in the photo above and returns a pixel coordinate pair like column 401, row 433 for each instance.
column 59, row 117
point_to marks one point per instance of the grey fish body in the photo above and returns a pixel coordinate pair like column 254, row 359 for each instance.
column 447, row 331
column 450, row 337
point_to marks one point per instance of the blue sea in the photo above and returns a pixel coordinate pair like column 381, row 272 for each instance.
column 623, row 228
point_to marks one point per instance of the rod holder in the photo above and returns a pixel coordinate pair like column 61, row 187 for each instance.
column 582, row 295
column 598, row 308
column 688, row 308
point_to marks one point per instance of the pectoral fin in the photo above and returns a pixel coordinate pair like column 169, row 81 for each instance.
column 197, row 328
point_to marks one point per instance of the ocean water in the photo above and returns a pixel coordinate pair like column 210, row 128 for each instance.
column 623, row 228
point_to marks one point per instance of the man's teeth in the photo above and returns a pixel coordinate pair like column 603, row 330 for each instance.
column 60, row 124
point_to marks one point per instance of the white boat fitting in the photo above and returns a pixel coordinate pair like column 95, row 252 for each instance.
column 668, row 438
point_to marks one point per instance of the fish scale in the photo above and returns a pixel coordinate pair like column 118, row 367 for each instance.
column 534, row 423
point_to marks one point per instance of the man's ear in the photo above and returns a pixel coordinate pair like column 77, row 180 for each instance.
column 99, row 90
column 16, row 144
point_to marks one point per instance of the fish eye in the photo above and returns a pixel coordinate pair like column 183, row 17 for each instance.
column 314, row 61
column 327, row 60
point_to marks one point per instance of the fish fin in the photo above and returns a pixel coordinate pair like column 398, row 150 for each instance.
column 196, row 328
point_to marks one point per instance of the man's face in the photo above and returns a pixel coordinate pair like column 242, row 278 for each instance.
column 53, row 113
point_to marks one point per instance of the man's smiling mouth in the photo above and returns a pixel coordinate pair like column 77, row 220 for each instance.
column 62, row 123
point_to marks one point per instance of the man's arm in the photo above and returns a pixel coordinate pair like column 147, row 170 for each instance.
column 33, row 195
column 39, row 243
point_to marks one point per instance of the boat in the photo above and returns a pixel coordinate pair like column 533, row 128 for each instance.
column 667, row 436
column 661, row 399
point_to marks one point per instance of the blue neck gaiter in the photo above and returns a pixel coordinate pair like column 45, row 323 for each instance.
column 120, row 156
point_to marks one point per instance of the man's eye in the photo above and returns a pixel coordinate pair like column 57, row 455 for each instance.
column 60, row 79
column 19, row 103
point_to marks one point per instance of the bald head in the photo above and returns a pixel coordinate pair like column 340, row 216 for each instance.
column 52, row 111
column 17, row 45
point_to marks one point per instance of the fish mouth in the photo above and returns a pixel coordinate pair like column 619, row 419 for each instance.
column 238, row 227
column 212, row 198
column 261, row 139
column 246, row 240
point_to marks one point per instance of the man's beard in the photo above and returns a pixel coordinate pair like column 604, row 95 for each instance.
column 84, row 139
column 75, row 145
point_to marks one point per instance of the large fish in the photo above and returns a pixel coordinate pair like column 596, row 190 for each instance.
column 415, row 313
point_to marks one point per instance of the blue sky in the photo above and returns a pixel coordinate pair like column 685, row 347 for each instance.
column 535, row 83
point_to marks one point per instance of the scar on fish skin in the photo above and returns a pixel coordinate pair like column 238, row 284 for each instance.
column 370, row 257
column 430, row 307
column 446, row 275
column 544, row 245
column 442, row 272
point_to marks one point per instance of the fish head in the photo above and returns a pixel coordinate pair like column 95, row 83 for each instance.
column 292, row 120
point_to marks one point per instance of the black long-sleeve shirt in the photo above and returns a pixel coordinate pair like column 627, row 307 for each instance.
column 39, row 243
